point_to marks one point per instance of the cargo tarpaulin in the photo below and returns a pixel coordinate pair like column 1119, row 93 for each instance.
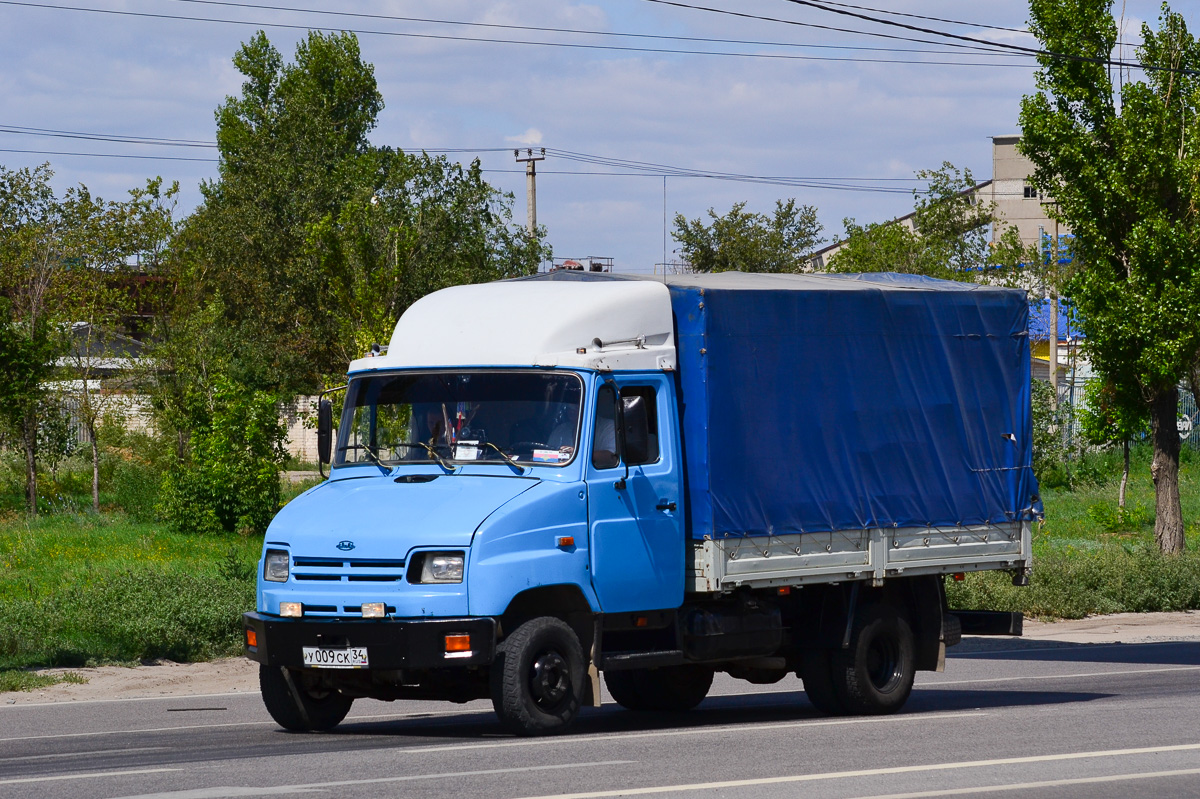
column 838, row 402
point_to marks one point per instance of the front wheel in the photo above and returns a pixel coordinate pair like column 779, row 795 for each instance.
column 537, row 678
column 304, row 705
column 874, row 675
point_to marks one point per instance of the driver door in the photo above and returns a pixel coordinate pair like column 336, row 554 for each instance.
column 636, row 522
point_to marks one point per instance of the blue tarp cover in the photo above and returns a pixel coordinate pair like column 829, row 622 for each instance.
column 832, row 402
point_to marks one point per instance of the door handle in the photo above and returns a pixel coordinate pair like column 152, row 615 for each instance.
column 664, row 505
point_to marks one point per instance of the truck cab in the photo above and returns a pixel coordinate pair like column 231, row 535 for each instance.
column 524, row 480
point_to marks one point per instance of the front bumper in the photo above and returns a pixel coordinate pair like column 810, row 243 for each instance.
column 391, row 643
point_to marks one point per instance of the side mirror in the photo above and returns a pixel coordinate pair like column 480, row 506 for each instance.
column 635, row 428
column 324, row 430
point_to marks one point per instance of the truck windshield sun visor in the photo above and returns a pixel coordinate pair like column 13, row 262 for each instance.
column 514, row 418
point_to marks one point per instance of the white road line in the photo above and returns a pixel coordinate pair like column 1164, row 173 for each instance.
column 1058, row 676
column 85, row 754
column 88, row 776
column 1021, row 786
column 841, row 775
column 219, row 792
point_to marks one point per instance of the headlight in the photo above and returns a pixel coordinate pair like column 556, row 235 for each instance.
column 442, row 567
column 275, row 566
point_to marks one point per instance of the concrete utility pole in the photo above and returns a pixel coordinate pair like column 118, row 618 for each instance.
column 530, row 160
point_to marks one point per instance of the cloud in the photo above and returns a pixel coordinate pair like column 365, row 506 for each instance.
column 532, row 136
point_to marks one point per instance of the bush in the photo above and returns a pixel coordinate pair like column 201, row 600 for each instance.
column 135, row 489
column 230, row 479
column 1072, row 585
column 137, row 614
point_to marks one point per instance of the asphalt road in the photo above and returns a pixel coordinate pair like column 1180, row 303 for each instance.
column 1035, row 718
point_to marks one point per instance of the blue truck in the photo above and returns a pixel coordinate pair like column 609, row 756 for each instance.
column 547, row 482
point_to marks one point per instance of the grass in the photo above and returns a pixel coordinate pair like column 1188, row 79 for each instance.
column 87, row 589
column 19, row 680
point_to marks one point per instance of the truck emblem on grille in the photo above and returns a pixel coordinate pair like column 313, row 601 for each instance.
column 345, row 546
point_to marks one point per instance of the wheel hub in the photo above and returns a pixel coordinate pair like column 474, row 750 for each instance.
column 551, row 681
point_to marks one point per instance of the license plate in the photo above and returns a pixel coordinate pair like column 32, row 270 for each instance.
column 316, row 657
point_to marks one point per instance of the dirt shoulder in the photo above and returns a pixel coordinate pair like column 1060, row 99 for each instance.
column 237, row 675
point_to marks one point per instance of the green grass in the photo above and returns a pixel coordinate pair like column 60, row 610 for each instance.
column 17, row 680
column 84, row 589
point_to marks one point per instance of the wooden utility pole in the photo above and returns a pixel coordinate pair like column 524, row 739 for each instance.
column 530, row 160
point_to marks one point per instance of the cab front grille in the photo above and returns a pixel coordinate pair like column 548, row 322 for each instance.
column 306, row 569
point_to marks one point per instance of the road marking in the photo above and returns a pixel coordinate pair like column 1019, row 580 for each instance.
column 739, row 728
column 1148, row 775
column 87, row 776
column 1059, row 676
column 85, row 754
column 171, row 698
column 841, row 775
column 218, row 792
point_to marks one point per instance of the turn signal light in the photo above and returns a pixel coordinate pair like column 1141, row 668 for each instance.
column 566, row 540
column 458, row 642
column 251, row 638
column 959, row 577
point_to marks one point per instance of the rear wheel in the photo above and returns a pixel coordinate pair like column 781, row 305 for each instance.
column 537, row 678
column 304, row 705
column 874, row 675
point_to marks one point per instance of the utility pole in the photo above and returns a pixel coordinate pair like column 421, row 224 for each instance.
column 530, row 160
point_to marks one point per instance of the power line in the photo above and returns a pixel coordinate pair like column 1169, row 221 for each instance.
column 569, row 45
column 1016, row 48
column 930, row 19
column 991, row 47
column 541, row 29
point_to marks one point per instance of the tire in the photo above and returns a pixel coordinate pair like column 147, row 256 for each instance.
column 626, row 688
column 321, row 708
column 672, row 689
column 816, row 672
column 874, row 676
column 537, row 678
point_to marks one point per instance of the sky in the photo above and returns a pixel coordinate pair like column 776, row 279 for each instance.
column 639, row 103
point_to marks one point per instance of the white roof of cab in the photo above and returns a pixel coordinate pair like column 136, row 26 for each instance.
column 602, row 325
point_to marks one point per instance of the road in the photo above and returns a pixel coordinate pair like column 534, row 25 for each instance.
column 1033, row 718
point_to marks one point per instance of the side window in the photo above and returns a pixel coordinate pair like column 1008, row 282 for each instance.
column 640, row 408
column 604, row 437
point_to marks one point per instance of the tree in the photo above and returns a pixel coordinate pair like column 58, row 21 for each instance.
column 35, row 256
column 948, row 238
column 1122, row 163
column 113, row 240
column 426, row 224
column 750, row 242
column 1108, row 418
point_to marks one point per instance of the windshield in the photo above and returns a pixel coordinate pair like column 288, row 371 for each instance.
column 529, row 417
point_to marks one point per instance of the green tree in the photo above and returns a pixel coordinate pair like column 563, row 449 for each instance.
column 750, row 242
column 35, row 259
column 1122, row 163
column 1109, row 418
column 949, row 237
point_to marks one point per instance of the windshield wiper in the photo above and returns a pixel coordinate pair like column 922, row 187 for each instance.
column 520, row 469
column 371, row 454
column 433, row 453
